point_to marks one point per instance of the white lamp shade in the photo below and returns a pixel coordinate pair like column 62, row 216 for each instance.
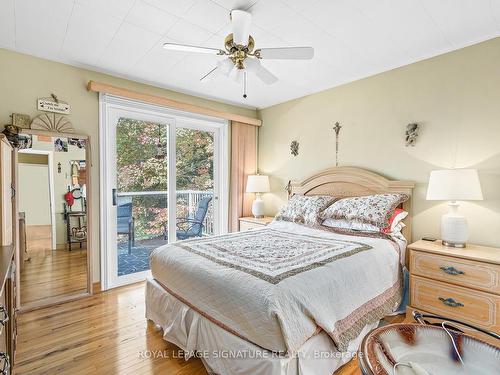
column 258, row 184
column 454, row 185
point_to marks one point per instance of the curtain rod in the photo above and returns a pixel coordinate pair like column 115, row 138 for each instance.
column 148, row 98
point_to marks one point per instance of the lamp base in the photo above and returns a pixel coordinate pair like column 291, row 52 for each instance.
column 258, row 207
column 452, row 244
column 454, row 229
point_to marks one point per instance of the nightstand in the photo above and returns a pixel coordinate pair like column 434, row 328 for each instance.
column 249, row 223
column 463, row 284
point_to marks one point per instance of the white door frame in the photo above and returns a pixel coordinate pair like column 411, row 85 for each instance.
column 50, row 161
column 109, row 107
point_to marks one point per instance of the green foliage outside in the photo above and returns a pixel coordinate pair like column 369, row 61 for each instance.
column 142, row 158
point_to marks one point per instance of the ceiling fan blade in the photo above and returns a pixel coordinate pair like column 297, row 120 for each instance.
column 266, row 76
column 254, row 66
column 241, row 22
column 210, row 75
column 286, row 53
column 189, row 48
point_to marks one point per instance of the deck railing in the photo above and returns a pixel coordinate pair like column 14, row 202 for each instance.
column 186, row 203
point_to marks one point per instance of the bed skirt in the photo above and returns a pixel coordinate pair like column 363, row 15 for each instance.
column 224, row 353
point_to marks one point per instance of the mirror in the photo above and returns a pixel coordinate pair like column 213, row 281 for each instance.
column 53, row 188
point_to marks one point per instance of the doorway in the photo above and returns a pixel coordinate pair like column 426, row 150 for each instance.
column 37, row 205
column 162, row 182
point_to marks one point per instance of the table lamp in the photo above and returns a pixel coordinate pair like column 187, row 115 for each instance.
column 258, row 184
column 454, row 185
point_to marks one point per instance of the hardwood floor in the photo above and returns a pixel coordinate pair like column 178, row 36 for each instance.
column 52, row 273
column 38, row 237
column 103, row 334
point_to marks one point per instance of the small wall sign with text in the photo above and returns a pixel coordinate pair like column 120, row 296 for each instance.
column 50, row 105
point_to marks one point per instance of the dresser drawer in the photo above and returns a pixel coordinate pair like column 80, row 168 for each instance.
column 478, row 308
column 4, row 331
column 482, row 276
column 244, row 226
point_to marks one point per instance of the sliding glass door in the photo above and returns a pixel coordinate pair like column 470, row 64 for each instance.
column 162, row 185
column 195, row 183
column 141, row 193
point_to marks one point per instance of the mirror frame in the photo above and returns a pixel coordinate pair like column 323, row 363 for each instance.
column 70, row 297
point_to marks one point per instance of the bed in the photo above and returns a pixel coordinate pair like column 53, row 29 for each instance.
column 285, row 299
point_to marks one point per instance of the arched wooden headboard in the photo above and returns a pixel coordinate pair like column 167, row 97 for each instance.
column 345, row 182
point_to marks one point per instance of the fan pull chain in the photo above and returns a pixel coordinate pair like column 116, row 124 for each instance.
column 244, row 85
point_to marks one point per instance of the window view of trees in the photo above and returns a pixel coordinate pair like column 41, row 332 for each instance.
column 142, row 166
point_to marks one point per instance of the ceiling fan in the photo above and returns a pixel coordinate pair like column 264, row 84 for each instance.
column 241, row 56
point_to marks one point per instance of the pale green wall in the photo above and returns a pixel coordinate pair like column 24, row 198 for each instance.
column 456, row 99
column 34, row 202
column 24, row 79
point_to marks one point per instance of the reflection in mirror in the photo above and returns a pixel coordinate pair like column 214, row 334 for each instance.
column 52, row 188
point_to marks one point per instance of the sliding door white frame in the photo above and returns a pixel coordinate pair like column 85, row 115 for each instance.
column 109, row 107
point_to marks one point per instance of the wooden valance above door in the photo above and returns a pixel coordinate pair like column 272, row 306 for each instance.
column 159, row 100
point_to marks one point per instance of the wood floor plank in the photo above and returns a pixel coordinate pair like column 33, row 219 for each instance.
column 104, row 334
column 52, row 273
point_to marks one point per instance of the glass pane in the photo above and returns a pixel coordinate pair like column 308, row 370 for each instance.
column 142, row 201
column 195, row 183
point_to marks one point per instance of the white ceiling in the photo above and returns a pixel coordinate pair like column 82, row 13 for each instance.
column 352, row 38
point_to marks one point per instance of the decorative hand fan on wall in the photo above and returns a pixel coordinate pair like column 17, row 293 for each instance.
column 241, row 56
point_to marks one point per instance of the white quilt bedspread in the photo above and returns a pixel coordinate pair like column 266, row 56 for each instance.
column 277, row 287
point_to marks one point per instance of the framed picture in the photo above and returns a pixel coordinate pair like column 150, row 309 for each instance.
column 80, row 143
column 25, row 141
column 61, row 145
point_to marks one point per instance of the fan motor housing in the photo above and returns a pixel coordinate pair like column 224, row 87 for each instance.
column 231, row 46
column 238, row 53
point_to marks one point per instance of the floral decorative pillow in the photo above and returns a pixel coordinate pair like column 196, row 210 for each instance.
column 372, row 209
column 304, row 209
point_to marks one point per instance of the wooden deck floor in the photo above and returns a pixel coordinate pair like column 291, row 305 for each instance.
column 102, row 334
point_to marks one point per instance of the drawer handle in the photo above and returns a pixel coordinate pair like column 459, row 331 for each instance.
column 5, row 317
column 6, row 363
column 451, row 270
column 451, row 302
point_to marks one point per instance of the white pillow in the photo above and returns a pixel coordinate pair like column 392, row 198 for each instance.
column 398, row 227
column 350, row 225
column 360, row 226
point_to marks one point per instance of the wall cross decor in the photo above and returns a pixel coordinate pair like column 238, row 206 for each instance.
column 294, row 148
column 411, row 135
column 337, row 128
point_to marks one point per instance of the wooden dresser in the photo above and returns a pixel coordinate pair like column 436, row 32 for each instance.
column 463, row 284
column 249, row 223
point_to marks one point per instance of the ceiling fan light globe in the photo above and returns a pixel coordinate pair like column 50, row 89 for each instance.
column 225, row 66
column 237, row 75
